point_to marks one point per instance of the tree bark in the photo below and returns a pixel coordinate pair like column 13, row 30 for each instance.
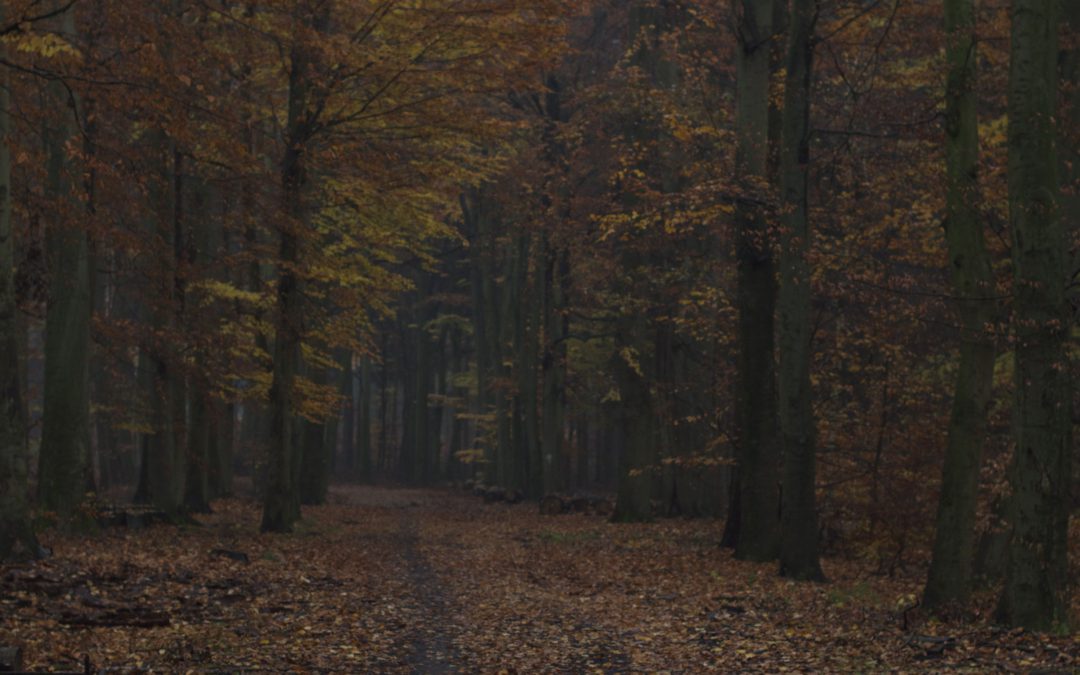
column 280, row 509
column 1034, row 595
column 798, row 519
column 15, row 527
column 65, row 437
column 633, row 502
column 554, row 364
column 756, row 415
column 950, row 578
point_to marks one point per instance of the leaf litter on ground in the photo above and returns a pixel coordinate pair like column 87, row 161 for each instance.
column 397, row 580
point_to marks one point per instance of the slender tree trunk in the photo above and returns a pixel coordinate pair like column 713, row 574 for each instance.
column 798, row 520
column 476, row 222
column 502, row 328
column 196, row 255
column 254, row 440
column 633, row 502
column 1069, row 149
column 436, row 413
column 758, row 446
column 950, row 578
column 196, row 483
column 348, row 459
column 314, row 467
column 554, row 367
column 1035, row 592
column 529, row 364
column 384, row 406
column 279, row 506
column 363, row 421
column 177, row 382
column 314, row 464
column 223, row 440
column 420, row 421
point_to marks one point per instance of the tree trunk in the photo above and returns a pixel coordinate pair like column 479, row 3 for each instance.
column 348, row 460
column 758, row 445
column 502, row 328
column 553, row 417
column 15, row 527
column 223, row 445
column 66, row 417
column 195, row 248
column 363, row 420
column 1036, row 581
column 529, row 365
column 314, row 473
column 950, row 578
column 280, row 510
column 197, row 482
column 633, row 502
column 798, row 519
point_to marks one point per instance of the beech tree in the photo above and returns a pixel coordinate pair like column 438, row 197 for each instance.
column 1041, row 474
column 973, row 282
column 65, row 442
column 753, row 526
column 15, row 527
column 798, row 518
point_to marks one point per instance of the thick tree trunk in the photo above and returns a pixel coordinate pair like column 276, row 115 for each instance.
column 798, row 520
column 66, row 417
column 758, row 445
column 15, row 528
column 950, row 578
column 348, row 460
column 1069, row 147
column 363, row 421
column 1036, row 581
column 529, row 365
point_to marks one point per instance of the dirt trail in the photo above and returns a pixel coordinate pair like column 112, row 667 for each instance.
column 410, row 581
column 431, row 649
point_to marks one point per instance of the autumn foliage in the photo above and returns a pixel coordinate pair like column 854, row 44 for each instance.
column 618, row 252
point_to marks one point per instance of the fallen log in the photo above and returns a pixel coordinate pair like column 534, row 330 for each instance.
column 238, row 556
column 130, row 617
column 132, row 516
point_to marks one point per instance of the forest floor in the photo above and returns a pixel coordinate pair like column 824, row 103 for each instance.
column 395, row 580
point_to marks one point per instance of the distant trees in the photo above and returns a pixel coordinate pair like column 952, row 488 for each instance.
column 656, row 248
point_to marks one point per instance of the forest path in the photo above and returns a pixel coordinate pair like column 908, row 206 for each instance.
column 388, row 580
column 431, row 649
